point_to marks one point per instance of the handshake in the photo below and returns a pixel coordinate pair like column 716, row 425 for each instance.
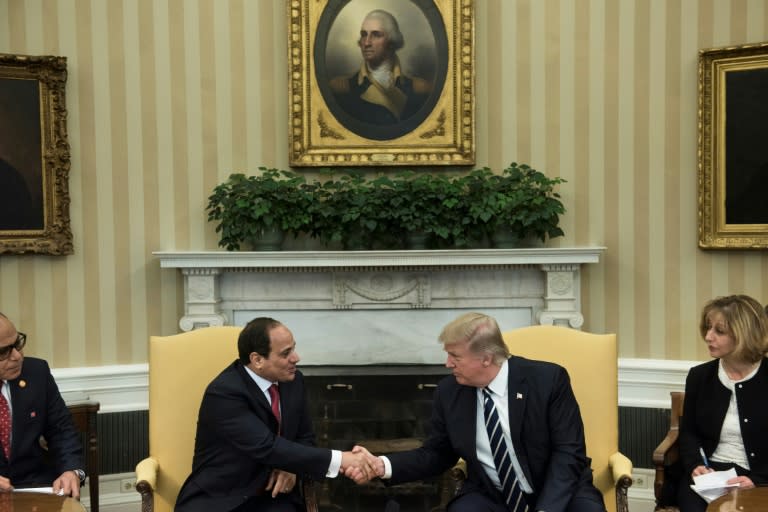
column 360, row 465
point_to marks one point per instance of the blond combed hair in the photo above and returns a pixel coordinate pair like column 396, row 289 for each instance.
column 480, row 332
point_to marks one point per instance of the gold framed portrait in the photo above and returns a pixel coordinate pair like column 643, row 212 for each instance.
column 34, row 156
column 732, row 149
column 381, row 82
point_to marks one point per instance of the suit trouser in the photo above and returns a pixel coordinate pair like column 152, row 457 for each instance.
column 266, row 503
column 477, row 501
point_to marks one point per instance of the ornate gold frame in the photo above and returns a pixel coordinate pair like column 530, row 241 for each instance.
column 717, row 229
column 442, row 135
column 55, row 236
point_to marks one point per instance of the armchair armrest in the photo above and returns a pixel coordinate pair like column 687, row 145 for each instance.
column 621, row 469
column 666, row 444
column 459, row 472
column 666, row 453
column 146, row 482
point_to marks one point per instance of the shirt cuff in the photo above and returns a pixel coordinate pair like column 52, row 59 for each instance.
column 387, row 467
column 335, row 465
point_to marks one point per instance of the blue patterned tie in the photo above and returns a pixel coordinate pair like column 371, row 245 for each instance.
column 510, row 487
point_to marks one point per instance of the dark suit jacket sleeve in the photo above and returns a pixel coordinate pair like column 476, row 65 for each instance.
column 62, row 436
column 232, row 413
column 562, row 436
column 39, row 411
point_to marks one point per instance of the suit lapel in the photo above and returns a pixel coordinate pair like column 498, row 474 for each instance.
column 517, row 394
column 256, row 396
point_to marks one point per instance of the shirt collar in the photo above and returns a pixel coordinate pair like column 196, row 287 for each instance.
column 260, row 381
column 500, row 383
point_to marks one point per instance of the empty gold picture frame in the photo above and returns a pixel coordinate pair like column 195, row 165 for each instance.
column 433, row 121
column 733, row 147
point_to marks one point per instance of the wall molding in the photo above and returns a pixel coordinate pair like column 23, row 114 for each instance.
column 648, row 382
column 121, row 388
column 118, row 388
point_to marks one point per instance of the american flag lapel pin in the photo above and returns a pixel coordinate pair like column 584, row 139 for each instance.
column 519, row 396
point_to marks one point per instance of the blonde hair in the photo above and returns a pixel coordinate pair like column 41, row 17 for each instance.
column 480, row 332
column 744, row 319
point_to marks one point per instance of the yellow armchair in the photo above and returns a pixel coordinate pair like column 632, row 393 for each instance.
column 180, row 368
column 592, row 363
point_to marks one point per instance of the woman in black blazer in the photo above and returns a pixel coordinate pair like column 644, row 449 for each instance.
column 725, row 419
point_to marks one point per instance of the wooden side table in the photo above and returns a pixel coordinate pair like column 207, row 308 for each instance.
column 741, row 500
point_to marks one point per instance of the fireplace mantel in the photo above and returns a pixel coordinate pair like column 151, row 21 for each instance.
column 543, row 281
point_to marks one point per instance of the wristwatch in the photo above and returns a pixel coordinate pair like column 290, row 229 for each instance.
column 80, row 475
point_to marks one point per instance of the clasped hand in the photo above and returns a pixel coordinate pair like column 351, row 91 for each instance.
column 280, row 482
column 361, row 466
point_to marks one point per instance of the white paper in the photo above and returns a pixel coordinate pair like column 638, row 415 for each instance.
column 41, row 490
column 711, row 486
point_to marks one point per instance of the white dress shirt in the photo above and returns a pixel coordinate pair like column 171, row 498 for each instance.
column 499, row 393
column 264, row 384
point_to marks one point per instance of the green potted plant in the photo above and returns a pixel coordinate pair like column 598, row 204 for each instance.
column 260, row 210
column 525, row 206
column 426, row 209
column 352, row 211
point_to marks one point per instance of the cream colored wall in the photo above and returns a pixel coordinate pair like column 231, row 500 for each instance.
column 165, row 98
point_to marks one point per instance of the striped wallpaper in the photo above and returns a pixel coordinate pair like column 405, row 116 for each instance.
column 166, row 98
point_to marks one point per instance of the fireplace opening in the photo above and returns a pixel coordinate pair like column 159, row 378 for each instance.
column 386, row 408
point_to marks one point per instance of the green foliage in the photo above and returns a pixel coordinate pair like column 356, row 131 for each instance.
column 246, row 207
column 430, row 204
column 521, row 200
column 346, row 208
column 351, row 210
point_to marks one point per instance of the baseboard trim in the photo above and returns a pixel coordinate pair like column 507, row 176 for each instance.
column 117, row 493
column 641, row 497
column 121, row 388
column 117, row 496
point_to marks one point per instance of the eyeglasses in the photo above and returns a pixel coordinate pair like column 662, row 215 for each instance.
column 21, row 340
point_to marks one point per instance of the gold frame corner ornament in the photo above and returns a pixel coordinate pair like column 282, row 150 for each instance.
column 320, row 134
column 54, row 236
column 715, row 150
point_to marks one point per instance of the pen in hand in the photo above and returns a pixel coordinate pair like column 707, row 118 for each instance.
column 704, row 458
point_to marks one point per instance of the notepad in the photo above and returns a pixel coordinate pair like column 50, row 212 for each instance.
column 711, row 486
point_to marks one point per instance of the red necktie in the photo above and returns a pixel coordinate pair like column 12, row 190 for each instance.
column 274, row 395
column 5, row 424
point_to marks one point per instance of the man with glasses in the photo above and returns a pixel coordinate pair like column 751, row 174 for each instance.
column 31, row 411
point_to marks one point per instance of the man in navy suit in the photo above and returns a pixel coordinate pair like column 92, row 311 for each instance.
column 537, row 412
column 251, row 444
column 35, row 412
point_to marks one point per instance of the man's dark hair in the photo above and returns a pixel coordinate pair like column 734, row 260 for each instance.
column 255, row 338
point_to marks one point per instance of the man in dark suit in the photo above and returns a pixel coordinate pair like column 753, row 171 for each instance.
column 32, row 406
column 254, row 433
column 536, row 422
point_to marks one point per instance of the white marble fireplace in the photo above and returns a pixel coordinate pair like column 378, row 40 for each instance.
column 380, row 307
